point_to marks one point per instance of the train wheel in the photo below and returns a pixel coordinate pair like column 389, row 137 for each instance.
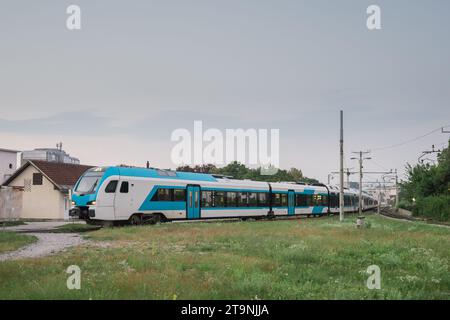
column 135, row 220
column 155, row 218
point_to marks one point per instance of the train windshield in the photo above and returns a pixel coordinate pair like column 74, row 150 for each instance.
column 89, row 182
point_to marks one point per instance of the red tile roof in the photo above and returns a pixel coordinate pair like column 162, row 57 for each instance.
column 64, row 175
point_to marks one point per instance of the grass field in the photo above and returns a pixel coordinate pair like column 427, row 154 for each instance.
column 75, row 227
column 292, row 259
column 10, row 241
column 12, row 223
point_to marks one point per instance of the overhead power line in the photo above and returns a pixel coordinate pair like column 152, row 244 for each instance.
column 411, row 140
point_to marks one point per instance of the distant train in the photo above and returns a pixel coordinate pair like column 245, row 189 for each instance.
column 137, row 195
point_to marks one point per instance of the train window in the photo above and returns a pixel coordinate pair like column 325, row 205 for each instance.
column 231, row 199
column 242, row 199
column 300, row 200
column 283, row 200
column 317, row 200
column 263, row 199
column 179, row 195
column 207, row 199
column 347, row 200
column 334, row 200
column 276, row 199
column 219, row 199
column 196, row 200
column 252, row 199
column 324, row 200
column 111, row 187
column 124, row 187
column 162, row 194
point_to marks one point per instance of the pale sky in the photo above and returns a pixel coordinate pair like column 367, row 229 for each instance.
column 114, row 91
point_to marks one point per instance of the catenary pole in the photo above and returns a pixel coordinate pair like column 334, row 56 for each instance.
column 341, row 171
column 360, row 176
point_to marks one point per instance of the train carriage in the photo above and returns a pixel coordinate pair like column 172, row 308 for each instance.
column 123, row 194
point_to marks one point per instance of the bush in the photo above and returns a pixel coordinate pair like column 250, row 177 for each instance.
column 435, row 207
column 403, row 204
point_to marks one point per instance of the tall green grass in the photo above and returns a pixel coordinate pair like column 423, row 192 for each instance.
column 296, row 259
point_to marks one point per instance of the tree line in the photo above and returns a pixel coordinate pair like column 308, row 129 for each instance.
column 426, row 190
column 238, row 170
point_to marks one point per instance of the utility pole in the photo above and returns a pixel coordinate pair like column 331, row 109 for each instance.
column 361, row 175
column 424, row 153
column 346, row 172
column 379, row 200
column 341, row 171
column 348, row 177
column 330, row 177
column 396, row 190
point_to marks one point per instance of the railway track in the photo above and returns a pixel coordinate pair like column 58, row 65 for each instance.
column 389, row 212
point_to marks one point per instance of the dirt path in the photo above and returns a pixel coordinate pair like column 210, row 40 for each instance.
column 47, row 244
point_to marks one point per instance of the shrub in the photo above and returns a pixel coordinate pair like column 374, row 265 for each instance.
column 435, row 207
column 403, row 204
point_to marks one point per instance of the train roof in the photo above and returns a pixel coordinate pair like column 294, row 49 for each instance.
column 216, row 180
column 203, row 177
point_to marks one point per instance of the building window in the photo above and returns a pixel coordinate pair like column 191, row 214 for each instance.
column 37, row 179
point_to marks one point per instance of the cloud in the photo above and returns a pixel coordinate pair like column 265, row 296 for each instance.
column 79, row 123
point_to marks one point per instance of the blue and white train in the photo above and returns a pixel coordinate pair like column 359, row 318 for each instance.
column 137, row 195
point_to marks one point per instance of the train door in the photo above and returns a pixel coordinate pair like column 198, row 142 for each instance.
column 291, row 202
column 124, row 200
column 193, row 202
column 105, row 208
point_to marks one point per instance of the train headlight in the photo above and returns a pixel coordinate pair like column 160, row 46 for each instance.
column 91, row 203
column 73, row 203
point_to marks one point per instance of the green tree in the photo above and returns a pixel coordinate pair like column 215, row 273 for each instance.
column 240, row 171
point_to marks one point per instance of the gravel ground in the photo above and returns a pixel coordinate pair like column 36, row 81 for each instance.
column 48, row 243
column 37, row 226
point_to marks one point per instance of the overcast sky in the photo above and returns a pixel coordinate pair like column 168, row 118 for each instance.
column 114, row 91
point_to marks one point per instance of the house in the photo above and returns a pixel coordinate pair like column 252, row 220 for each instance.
column 8, row 163
column 45, row 188
column 48, row 154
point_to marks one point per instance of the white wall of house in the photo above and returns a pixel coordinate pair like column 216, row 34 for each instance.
column 40, row 201
column 8, row 164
